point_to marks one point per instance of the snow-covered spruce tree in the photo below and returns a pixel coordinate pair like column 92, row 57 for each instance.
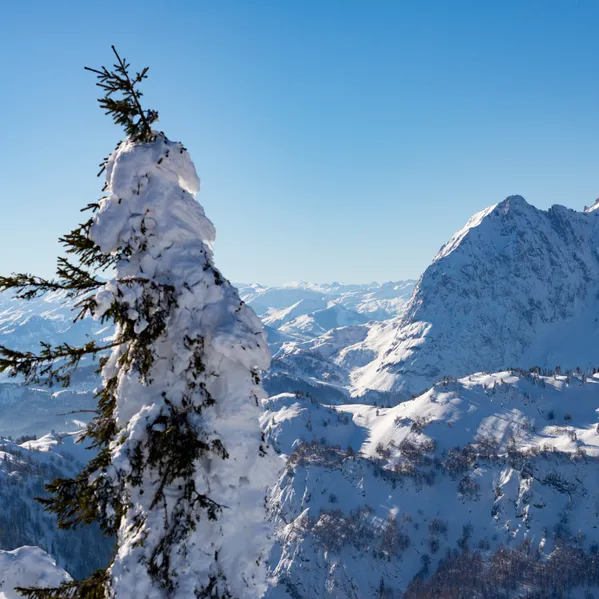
column 181, row 465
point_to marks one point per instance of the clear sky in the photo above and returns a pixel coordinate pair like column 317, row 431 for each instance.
column 335, row 139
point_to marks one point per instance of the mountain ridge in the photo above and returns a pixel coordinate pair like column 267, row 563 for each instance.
column 494, row 297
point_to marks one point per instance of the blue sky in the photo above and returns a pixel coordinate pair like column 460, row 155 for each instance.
column 335, row 139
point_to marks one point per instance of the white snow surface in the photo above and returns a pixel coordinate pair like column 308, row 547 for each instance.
column 28, row 567
column 327, row 325
column 321, row 322
column 517, row 286
column 593, row 206
column 507, row 457
column 376, row 301
column 48, row 318
column 151, row 208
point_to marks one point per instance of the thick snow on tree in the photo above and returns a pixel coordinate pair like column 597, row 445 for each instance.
column 188, row 464
column 182, row 468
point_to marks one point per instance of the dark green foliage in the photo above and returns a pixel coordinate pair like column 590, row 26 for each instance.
column 29, row 286
column 174, row 441
column 51, row 365
column 125, row 110
column 22, row 477
column 91, row 588
column 77, row 501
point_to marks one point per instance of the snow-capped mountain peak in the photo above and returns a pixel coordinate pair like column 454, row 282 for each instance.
column 458, row 237
column 516, row 286
column 592, row 207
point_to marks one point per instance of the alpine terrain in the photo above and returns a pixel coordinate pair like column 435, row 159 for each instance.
column 425, row 432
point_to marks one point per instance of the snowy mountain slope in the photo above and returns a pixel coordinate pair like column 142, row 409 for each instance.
column 320, row 319
column 514, row 457
column 277, row 317
column 312, row 365
column 331, row 357
column 263, row 298
column 376, row 301
column 50, row 317
column 308, row 323
column 316, row 370
column 33, row 410
column 335, row 340
column 24, row 470
column 320, row 322
column 517, row 286
column 37, row 410
column 28, row 567
column 276, row 338
column 304, row 313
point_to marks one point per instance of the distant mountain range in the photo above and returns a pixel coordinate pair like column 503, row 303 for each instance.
column 517, row 286
column 429, row 430
column 300, row 313
column 375, row 301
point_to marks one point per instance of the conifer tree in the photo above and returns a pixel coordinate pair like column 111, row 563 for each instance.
column 181, row 466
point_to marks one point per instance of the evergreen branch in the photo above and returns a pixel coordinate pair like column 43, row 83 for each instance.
column 93, row 587
column 78, row 239
column 78, row 242
column 134, row 94
column 73, row 501
column 30, row 286
column 85, row 306
column 88, row 497
column 125, row 110
column 75, row 276
column 52, row 364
